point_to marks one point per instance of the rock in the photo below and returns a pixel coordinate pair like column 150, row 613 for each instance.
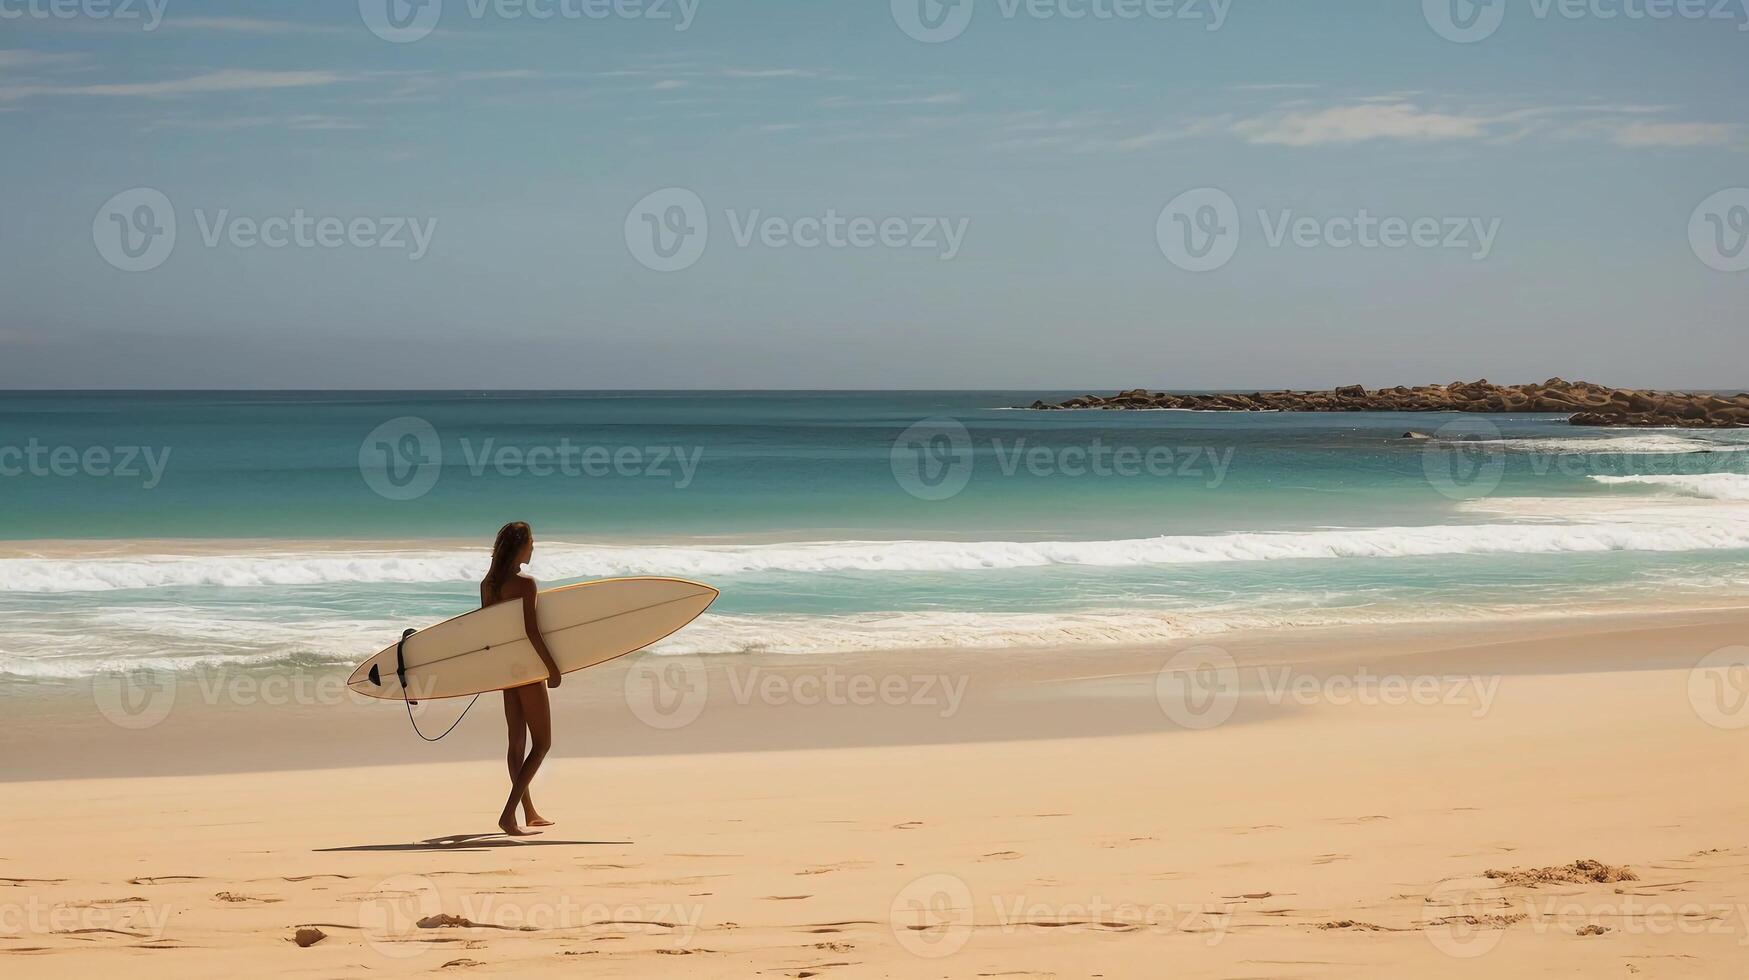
column 308, row 936
column 1590, row 403
column 1416, row 435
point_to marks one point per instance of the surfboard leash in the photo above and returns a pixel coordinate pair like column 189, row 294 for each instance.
column 401, row 677
column 446, row 731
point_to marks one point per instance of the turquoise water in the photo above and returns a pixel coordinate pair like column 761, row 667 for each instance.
column 271, row 527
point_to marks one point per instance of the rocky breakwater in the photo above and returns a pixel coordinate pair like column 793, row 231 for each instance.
column 1588, row 403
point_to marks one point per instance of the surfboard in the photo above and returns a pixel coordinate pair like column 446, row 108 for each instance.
column 488, row 649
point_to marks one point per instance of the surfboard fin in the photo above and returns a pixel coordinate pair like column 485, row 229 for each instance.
column 375, row 677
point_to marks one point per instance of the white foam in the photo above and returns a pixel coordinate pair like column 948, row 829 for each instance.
column 1674, row 529
column 1707, row 486
column 1654, row 443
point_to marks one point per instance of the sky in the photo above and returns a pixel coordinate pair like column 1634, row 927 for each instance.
column 1046, row 194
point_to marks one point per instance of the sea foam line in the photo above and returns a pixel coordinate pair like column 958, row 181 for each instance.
column 1705, row 530
column 1708, row 486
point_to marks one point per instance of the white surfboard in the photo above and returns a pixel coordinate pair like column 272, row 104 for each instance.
column 488, row 649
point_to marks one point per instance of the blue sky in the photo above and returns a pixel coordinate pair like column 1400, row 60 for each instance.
column 523, row 145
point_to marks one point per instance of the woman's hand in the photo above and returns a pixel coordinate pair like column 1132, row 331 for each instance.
column 554, row 678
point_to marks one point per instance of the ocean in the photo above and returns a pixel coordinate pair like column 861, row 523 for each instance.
column 180, row 530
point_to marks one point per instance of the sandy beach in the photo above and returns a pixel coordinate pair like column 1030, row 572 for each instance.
column 1398, row 803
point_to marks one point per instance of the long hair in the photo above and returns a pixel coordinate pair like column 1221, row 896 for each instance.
column 511, row 538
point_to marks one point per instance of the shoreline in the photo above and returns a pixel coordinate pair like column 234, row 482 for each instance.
column 111, row 724
column 1065, row 817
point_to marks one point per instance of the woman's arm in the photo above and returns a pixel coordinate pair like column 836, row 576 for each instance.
column 532, row 627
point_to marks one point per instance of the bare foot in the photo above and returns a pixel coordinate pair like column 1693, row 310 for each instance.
column 508, row 825
column 538, row 821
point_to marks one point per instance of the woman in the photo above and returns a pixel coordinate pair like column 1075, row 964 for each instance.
column 526, row 710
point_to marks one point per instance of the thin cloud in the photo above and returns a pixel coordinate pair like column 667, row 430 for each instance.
column 23, row 58
column 308, row 122
column 1361, row 123
column 1639, row 133
column 250, row 25
column 229, row 80
column 768, row 73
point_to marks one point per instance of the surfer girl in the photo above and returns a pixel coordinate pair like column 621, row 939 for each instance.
column 527, row 713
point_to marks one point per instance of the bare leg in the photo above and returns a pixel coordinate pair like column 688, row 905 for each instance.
column 518, row 739
column 537, row 716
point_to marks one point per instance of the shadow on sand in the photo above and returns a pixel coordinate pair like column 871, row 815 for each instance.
column 468, row 842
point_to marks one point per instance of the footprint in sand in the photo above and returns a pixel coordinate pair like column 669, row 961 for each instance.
column 821, row 869
column 234, row 897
